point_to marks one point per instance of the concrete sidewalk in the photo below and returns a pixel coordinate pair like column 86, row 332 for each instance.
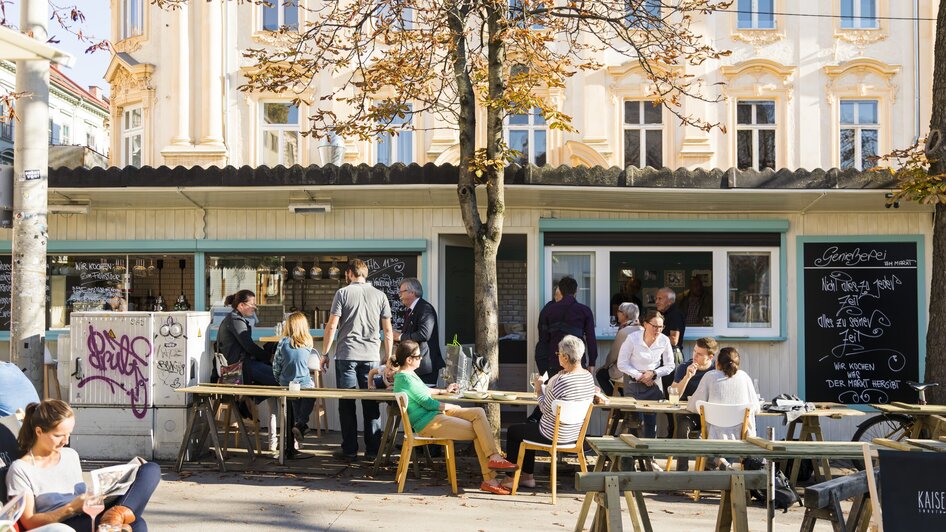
column 322, row 494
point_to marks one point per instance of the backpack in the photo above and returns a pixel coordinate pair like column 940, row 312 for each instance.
column 785, row 495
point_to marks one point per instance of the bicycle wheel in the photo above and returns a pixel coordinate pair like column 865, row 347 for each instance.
column 891, row 426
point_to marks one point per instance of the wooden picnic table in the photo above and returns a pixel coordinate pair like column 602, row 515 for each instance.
column 612, row 449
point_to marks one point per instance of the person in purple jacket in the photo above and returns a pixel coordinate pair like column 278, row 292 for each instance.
column 564, row 317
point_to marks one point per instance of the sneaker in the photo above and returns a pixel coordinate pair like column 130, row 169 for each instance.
column 298, row 433
column 343, row 456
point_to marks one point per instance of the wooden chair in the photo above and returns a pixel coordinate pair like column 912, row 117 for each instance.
column 321, row 416
column 412, row 441
column 225, row 413
column 722, row 416
column 615, row 416
column 568, row 412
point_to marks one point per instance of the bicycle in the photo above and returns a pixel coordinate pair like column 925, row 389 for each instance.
column 897, row 426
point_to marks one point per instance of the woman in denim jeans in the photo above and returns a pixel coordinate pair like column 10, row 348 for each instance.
column 291, row 364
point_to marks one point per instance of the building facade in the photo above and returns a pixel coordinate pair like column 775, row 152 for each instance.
column 78, row 119
column 814, row 85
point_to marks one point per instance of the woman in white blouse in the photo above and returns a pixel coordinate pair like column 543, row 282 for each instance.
column 645, row 357
column 727, row 384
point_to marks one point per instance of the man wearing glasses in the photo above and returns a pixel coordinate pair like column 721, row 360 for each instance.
column 420, row 325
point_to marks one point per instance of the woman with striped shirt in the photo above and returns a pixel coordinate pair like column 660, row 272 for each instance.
column 573, row 383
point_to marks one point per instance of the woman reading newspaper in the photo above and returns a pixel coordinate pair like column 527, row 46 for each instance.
column 49, row 474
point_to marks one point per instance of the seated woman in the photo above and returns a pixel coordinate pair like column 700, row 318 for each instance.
column 50, row 477
column 432, row 419
column 727, row 384
column 628, row 322
column 291, row 364
column 573, row 383
column 235, row 340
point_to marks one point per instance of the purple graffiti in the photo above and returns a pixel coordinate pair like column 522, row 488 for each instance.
column 126, row 356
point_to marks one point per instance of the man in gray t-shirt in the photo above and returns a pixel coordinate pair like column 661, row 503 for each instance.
column 360, row 313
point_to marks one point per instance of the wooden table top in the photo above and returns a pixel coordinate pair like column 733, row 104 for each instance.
column 913, row 410
column 663, row 447
column 267, row 339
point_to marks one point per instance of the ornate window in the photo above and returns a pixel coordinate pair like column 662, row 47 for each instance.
column 641, row 14
column 6, row 124
column 527, row 134
column 279, row 127
column 859, row 15
column 755, row 134
column 643, row 134
column 756, row 15
column 859, row 134
column 132, row 18
column 279, row 13
column 397, row 147
column 132, row 133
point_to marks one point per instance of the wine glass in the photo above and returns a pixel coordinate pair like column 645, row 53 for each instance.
column 93, row 505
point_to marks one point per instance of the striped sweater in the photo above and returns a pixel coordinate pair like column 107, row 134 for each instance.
column 578, row 385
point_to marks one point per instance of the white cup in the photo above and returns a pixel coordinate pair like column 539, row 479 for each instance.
column 294, row 386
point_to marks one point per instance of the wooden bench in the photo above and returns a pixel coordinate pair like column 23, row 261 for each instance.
column 823, row 501
column 607, row 487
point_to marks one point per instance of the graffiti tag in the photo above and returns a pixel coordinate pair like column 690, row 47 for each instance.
column 120, row 356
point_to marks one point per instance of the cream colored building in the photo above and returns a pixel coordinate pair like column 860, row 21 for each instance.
column 797, row 87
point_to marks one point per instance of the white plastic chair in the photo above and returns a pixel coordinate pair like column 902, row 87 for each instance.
column 722, row 421
column 569, row 413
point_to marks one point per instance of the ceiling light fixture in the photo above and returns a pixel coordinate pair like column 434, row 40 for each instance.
column 310, row 208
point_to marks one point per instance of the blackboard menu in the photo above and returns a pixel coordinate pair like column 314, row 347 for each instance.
column 861, row 321
column 6, row 286
column 386, row 273
column 92, row 283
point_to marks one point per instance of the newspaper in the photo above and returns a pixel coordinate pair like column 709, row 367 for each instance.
column 11, row 512
column 115, row 480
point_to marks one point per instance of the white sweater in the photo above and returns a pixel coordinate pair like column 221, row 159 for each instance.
column 716, row 387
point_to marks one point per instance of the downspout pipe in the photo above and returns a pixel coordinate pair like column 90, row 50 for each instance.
column 916, row 71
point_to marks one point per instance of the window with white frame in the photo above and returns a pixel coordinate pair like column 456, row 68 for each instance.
column 6, row 124
column 90, row 141
column 55, row 132
column 132, row 135
column 859, row 14
column 526, row 133
column 397, row 146
column 65, row 137
column 132, row 18
column 755, row 134
column 279, row 13
column 641, row 14
column 280, row 130
column 518, row 13
column 860, row 134
column 724, row 289
column 400, row 17
column 756, row 15
column 643, row 134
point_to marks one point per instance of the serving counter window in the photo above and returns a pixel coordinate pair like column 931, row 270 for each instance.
column 116, row 282
column 727, row 289
column 301, row 282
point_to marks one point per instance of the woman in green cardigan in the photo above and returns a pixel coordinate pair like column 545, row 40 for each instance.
column 431, row 418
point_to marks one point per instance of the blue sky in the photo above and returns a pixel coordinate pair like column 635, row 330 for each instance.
column 88, row 68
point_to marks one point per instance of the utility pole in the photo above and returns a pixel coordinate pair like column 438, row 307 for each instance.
column 30, row 174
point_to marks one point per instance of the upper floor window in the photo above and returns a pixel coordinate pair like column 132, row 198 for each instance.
column 280, row 130
column 859, row 14
column 643, row 134
column 132, row 136
column 279, row 13
column 755, row 134
column 90, row 141
column 641, row 14
column 756, row 15
column 398, row 146
column 65, row 137
column 860, row 134
column 6, row 124
column 132, row 18
column 526, row 133
column 519, row 13
column 55, row 133
column 401, row 19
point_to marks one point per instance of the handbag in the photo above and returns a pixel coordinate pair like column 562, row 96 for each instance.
column 229, row 373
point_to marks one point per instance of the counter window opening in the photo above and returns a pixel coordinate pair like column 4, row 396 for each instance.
column 722, row 290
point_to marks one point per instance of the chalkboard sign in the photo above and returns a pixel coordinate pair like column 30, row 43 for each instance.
column 861, row 321
column 6, row 286
column 92, row 283
column 386, row 273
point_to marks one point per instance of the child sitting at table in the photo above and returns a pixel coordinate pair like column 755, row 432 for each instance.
column 291, row 364
column 382, row 378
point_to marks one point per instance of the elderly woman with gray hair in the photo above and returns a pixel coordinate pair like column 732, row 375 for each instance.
column 573, row 383
column 628, row 322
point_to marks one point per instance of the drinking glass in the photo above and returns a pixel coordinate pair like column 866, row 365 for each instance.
column 93, row 505
column 674, row 394
column 614, row 321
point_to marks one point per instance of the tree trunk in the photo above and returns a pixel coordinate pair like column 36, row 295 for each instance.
column 936, row 330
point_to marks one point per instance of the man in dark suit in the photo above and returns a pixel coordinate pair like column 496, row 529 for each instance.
column 420, row 325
